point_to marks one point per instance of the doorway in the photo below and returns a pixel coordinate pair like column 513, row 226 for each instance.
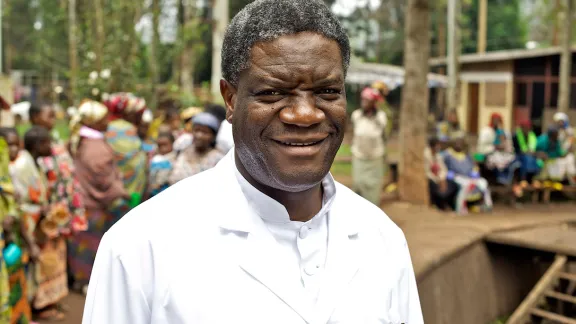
column 473, row 107
column 537, row 108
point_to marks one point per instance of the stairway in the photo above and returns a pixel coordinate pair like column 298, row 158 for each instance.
column 552, row 299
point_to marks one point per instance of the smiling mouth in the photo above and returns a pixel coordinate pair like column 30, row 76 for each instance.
column 299, row 144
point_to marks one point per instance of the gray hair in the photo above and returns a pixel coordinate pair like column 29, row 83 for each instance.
column 266, row 20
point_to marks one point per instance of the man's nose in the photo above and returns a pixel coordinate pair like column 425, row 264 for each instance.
column 302, row 112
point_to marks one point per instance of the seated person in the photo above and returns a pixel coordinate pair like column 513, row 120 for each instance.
column 525, row 141
column 502, row 161
column 567, row 139
column 559, row 166
column 464, row 171
column 442, row 190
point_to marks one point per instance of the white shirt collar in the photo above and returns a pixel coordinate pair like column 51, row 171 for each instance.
column 271, row 210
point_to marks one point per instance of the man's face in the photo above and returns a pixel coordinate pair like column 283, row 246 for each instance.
column 289, row 111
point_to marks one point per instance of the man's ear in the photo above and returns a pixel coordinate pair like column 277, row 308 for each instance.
column 228, row 92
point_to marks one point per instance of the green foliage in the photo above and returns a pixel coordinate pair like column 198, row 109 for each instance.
column 506, row 26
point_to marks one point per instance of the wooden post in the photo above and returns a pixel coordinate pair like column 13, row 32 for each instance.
column 453, row 54
column 482, row 25
column 566, row 60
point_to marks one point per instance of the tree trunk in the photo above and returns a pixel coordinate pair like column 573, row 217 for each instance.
column 153, row 58
column 454, row 49
column 186, row 77
column 73, row 48
column 413, row 184
column 220, row 10
column 566, row 60
column 100, row 34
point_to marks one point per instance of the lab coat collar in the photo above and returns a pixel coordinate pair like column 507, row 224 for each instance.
column 262, row 259
column 241, row 219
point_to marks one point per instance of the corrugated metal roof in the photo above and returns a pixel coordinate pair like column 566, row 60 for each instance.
column 495, row 56
column 392, row 75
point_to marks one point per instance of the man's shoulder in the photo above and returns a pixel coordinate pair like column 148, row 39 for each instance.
column 368, row 217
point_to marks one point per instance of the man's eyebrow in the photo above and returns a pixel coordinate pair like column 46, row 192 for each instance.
column 332, row 80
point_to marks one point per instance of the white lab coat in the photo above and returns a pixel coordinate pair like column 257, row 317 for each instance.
column 198, row 253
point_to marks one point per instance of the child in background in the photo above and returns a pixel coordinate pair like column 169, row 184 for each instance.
column 162, row 164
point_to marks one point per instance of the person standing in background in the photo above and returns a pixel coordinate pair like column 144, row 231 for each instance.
column 104, row 194
column 368, row 147
column 47, row 220
column 224, row 139
column 126, row 112
column 202, row 154
column 14, row 234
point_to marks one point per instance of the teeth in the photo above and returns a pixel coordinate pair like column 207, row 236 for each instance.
column 299, row 144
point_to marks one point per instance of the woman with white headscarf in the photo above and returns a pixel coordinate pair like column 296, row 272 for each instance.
column 100, row 179
column 567, row 141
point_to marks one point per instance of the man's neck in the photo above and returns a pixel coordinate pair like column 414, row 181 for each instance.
column 301, row 206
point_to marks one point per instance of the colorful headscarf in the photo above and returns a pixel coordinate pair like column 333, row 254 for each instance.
column 379, row 85
column 89, row 112
column 493, row 116
column 124, row 102
column 371, row 94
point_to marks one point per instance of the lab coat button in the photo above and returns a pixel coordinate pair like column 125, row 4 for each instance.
column 311, row 270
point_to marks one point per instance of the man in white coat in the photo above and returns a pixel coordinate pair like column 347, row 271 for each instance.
column 267, row 236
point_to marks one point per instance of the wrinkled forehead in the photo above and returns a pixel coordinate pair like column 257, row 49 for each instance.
column 290, row 55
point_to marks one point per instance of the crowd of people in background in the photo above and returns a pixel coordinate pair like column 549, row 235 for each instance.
column 460, row 176
column 59, row 198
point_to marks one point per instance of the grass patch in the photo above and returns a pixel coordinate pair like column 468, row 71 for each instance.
column 341, row 169
column 344, row 151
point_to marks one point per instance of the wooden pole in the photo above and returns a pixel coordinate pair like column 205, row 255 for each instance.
column 453, row 53
column 482, row 25
column 566, row 59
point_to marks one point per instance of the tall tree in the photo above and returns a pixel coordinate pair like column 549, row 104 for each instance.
column 413, row 186
column 566, row 60
column 153, row 51
column 73, row 48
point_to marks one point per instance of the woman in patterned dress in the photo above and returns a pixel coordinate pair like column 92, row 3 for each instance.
column 126, row 112
column 45, row 219
column 203, row 154
column 13, row 229
column 102, row 186
column 65, row 198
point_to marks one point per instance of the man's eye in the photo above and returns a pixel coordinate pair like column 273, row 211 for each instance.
column 269, row 93
column 330, row 91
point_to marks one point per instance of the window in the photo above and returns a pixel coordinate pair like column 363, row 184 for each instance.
column 573, row 96
column 521, row 92
column 554, row 90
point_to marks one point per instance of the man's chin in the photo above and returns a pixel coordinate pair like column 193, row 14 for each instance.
column 299, row 180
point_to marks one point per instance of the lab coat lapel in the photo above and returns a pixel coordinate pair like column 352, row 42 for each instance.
column 259, row 256
column 342, row 263
column 263, row 261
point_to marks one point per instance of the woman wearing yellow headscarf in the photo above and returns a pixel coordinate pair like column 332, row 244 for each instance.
column 99, row 177
column 382, row 104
